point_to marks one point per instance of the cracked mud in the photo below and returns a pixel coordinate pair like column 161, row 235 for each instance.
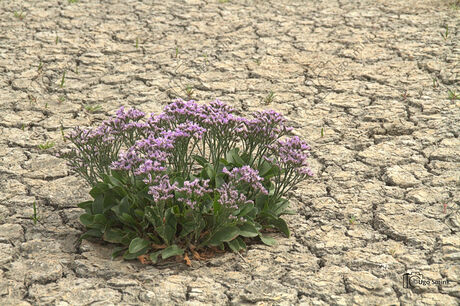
column 371, row 85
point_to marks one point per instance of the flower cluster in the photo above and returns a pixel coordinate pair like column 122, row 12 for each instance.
column 187, row 176
column 194, row 191
column 187, row 129
column 248, row 176
column 292, row 154
column 128, row 160
column 162, row 189
column 266, row 126
column 231, row 198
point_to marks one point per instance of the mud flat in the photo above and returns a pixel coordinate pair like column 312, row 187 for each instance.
column 372, row 86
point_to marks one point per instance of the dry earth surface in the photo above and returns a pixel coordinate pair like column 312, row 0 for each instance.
column 374, row 75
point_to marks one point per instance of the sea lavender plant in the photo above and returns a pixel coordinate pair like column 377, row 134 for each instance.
column 192, row 177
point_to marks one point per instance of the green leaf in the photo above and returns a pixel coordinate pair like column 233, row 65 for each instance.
column 128, row 255
column 94, row 232
column 154, row 256
column 267, row 240
column 99, row 188
column 264, row 168
column 109, row 201
column 152, row 216
column 225, row 234
column 241, row 242
column 233, row 157
column 128, row 220
column 261, row 200
column 172, row 250
column 210, row 172
column 237, row 244
column 115, row 182
column 224, row 162
column 216, row 206
column 239, row 161
column 268, row 214
column 280, row 207
column 99, row 222
column 246, row 210
column 117, row 251
column 187, row 228
column 122, row 207
column 98, row 204
column 137, row 244
column 219, row 181
column 200, row 160
column 86, row 219
column 234, row 245
column 128, row 237
column 100, row 219
column 119, row 191
column 248, row 230
column 154, row 238
column 288, row 212
column 87, row 206
column 113, row 235
column 229, row 156
column 170, row 225
column 119, row 175
column 281, row 225
column 139, row 212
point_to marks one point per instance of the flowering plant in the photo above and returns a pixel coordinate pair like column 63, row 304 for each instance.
column 192, row 177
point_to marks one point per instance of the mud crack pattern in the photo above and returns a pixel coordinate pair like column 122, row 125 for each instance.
column 372, row 85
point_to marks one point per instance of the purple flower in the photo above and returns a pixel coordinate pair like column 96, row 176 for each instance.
column 181, row 110
column 266, row 126
column 124, row 121
column 132, row 114
column 127, row 160
column 291, row 153
column 218, row 114
column 190, row 203
column 156, row 124
column 248, row 175
column 162, row 190
column 149, row 166
column 194, row 188
column 194, row 191
column 231, row 198
column 185, row 130
column 165, row 143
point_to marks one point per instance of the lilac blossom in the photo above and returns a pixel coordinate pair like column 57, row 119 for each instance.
column 185, row 130
column 231, row 198
column 132, row 114
column 162, row 190
column 183, row 110
column 151, row 143
column 149, row 166
column 218, row 114
column 157, row 123
column 292, row 153
column 194, row 191
column 247, row 175
column 128, row 160
column 124, row 121
column 193, row 188
column 266, row 126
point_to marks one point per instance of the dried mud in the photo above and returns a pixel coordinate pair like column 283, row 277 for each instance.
column 366, row 83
